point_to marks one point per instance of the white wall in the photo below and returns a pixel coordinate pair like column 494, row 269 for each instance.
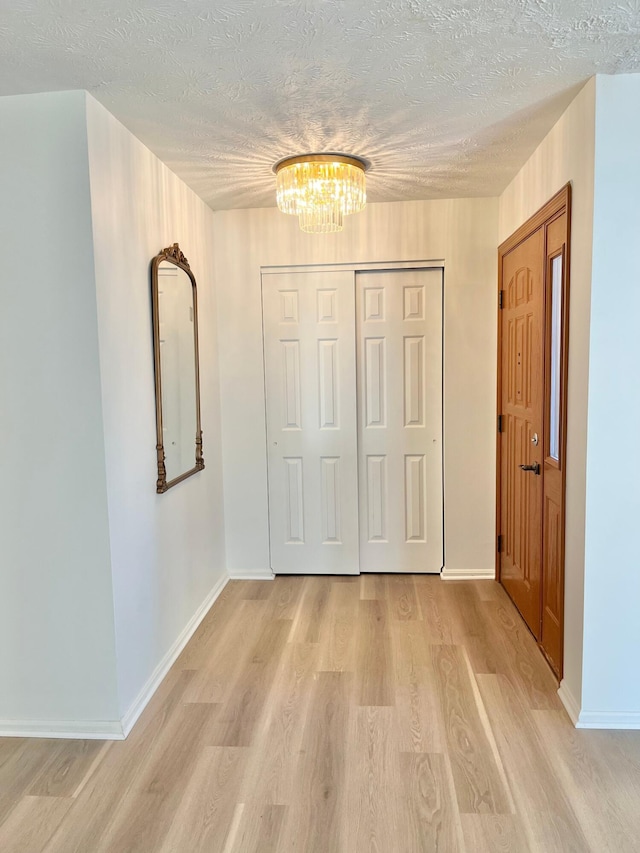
column 463, row 233
column 567, row 154
column 57, row 650
column 612, row 571
column 167, row 551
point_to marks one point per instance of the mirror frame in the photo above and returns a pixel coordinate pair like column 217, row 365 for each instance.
column 173, row 255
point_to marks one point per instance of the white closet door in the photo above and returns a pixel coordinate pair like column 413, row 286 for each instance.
column 399, row 319
column 310, row 370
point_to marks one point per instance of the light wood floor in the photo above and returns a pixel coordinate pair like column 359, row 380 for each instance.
column 380, row 713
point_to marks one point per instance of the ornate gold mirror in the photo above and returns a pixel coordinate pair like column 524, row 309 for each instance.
column 177, row 368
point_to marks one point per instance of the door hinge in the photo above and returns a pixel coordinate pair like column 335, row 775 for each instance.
column 501, row 299
column 500, row 543
column 499, row 423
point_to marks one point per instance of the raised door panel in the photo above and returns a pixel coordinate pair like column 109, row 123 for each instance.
column 415, row 498
column 291, row 405
column 373, row 303
column 327, row 305
column 289, row 306
column 294, row 514
column 328, row 383
column 414, row 388
column 309, row 334
column 377, row 498
column 375, row 382
column 330, row 484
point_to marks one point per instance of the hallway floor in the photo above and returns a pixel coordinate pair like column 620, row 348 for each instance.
column 329, row 715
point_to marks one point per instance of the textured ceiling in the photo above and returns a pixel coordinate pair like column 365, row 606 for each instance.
column 444, row 97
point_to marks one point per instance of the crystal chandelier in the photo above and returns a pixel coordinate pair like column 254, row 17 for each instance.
column 321, row 189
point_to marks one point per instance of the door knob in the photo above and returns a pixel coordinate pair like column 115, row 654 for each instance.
column 535, row 467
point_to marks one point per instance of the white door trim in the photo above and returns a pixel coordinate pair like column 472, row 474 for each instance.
column 364, row 266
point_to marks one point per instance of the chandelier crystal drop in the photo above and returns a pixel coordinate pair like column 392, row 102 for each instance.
column 321, row 189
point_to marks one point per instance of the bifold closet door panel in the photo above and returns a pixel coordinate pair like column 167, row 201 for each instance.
column 310, row 376
column 399, row 334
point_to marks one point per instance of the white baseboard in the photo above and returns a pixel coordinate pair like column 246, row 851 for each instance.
column 605, row 720
column 626, row 721
column 251, row 575
column 74, row 729
column 114, row 729
column 157, row 676
column 467, row 575
column 569, row 701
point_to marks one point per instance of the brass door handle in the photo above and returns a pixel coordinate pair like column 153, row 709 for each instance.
column 535, row 468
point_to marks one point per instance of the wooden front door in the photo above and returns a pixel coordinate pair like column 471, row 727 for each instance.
column 532, row 410
column 522, row 412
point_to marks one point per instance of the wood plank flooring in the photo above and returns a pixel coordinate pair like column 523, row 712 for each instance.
column 387, row 714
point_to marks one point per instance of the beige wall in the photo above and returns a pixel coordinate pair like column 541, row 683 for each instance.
column 101, row 577
column 167, row 551
column 567, row 154
column 462, row 233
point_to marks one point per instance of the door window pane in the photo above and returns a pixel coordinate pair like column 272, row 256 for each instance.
column 556, row 350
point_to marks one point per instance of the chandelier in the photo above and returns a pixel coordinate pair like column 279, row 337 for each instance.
column 321, row 189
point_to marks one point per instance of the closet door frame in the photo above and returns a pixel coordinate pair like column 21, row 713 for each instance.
column 392, row 266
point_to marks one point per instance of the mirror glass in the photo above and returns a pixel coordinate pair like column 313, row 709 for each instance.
column 177, row 365
column 177, row 395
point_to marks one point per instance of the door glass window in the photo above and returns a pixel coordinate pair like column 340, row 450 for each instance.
column 556, row 350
